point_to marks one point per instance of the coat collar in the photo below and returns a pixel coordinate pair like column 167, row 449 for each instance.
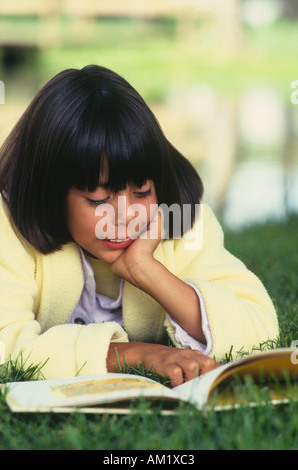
column 62, row 284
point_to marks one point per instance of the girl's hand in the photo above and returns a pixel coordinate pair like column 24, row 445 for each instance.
column 139, row 267
column 139, row 254
column 178, row 365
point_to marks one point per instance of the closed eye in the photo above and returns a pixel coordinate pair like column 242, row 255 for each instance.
column 95, row 202
column 138, row 194
column 142, row 194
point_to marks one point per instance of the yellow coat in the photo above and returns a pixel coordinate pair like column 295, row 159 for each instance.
column 39, row 292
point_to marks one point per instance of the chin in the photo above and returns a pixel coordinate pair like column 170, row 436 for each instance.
column 109, row 257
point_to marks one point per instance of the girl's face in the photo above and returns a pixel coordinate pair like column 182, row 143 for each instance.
column 104, row 224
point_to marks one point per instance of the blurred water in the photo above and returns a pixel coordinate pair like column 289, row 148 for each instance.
column 260, row 191
column 244, row 146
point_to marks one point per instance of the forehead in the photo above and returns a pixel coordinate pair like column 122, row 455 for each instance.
column 104, row 173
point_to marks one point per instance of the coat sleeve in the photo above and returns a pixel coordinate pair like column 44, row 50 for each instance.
column 65, row 349
column 240, row 312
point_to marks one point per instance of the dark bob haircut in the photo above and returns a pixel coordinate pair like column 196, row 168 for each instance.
column 78, row 119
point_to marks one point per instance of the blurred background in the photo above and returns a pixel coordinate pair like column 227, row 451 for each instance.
column 217, row 73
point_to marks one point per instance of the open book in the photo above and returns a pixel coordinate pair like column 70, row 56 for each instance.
column 111, row 393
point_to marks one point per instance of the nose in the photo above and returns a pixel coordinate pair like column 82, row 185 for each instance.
column 122, row 216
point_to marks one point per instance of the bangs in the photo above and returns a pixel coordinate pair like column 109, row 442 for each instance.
column 119, row 142
column 83, row 129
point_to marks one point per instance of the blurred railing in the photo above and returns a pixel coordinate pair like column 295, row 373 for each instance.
column 47, row 28
column 91, row 8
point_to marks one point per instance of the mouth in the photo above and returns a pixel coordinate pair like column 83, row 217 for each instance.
column 118, row 244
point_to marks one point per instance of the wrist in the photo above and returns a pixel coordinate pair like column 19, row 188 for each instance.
column 130, row 353
column 146, row 272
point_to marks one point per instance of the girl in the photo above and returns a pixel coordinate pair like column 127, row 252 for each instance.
column 79, row 290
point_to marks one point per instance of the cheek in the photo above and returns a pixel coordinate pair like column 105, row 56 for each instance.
column 82, row 223
column 151, row 208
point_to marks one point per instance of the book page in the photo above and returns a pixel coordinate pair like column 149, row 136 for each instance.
column 261, row 367
column 265, row 366
column 101, row 386
column 83, row 391
column 196, row 391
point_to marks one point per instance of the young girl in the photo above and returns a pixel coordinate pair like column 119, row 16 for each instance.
column 79, row 291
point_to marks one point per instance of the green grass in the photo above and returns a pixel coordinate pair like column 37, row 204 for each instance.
column 270, row 251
